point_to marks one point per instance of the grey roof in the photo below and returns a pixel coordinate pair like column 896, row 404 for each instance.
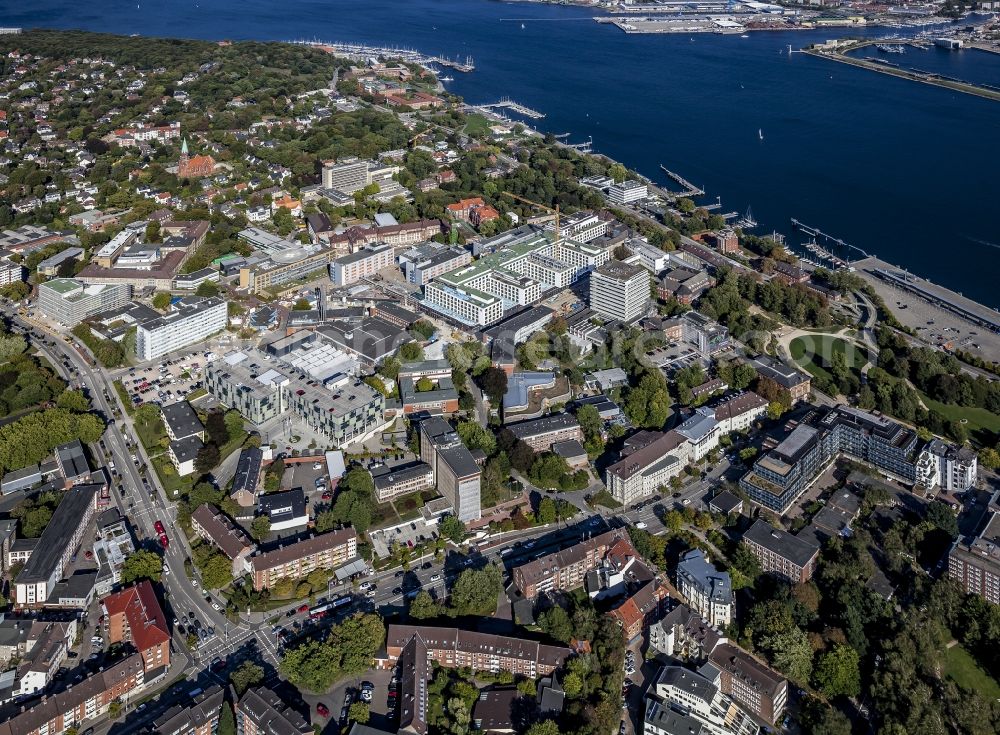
column 695, row 568
column 186, row 449
column 667, row 720
column 693, row 684
column 284, row 506
column 70, row 512
column 185, row 718
column 181, row 419
column 495, row 709
column 78, row 586
column 247, row 470
column 569, row 449
column 780, row 373
column 543, row 425
column 697, row 427
column 725, row 502
column 798, row 551
column 388, row 476
column 270, row 714
column 72, row 460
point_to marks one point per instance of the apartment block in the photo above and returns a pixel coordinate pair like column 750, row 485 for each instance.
column 214, row 526
column 797, row 383
column 188, row 323
column 738, row 412
column 541, row 433
column 781, row 553
column 759, row 689
column 134, row 616
column 296, row 559
column 262, row 712
column 564, row 570
column 954, row 469
column 456, row 648
column 709, row 591
column 69, row 301
column 366, row 262
column 975, row 563
column 685, row 701
column 200, row 716
column 59, row 542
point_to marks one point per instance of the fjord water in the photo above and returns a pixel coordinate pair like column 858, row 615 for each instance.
column 904, row 170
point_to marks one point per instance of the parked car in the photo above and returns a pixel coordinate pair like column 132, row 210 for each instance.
column 322, row 710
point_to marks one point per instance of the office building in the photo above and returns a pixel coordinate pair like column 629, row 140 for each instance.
column 296, row 559
column 364, row 263
column 627, row 192
column 429, row 260
column 783, row 474
column 391, row 482
column 564, row 570
column 455, row 470
column 346, row 176
column 709, row 591
column 58, row 543
column 134, row 616
column 262, row 712
column 738, row 412
column 541, row 433
column 455, row 648
column 69, row 301
column 619, row 291
column 707, row 335
column 345, row 412
column 702, row 433
column 975, row 563
column 780, row 553
column 650, row 460
column 281, row 270
column 11, row 272
column 184, row 325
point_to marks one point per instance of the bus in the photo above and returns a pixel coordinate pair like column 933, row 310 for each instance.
column 321, row 611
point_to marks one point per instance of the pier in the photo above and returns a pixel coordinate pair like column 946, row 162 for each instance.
column 815, row 232
column 360, row 51
column 690, row 190
column 513, row 106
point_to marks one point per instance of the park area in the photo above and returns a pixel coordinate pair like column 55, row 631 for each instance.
column 815, row 353
column 963, row 669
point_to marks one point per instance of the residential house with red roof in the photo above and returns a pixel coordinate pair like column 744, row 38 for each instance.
column 134, row 616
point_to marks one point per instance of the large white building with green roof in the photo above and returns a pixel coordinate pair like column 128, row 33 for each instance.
column 513, row 276
column 69, row 301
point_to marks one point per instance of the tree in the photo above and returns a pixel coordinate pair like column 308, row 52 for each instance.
column 161, row 300
column 347, row 650
column 301, row 304
column 617, row 172
column 260, row 528
column 941, row 516
column 424, row 384
column 836, row 673
column 452, row 528
column 141, row 564
column 411, row 352
column 115, row 709
column 476, row 436
column 11, row 345
column 207, row 288
column 791, row 653
column 234, row 424
column 359, row 712
column 423, row 606
column 555, row 621
column 546, row 511
column 73, row 400
column 207, row 458
column 494, row 384
column 247, row 675
column 476, row 591
column 774, row 410
column 424, row 328
column 217, row 572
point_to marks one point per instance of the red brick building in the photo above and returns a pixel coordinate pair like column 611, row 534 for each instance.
column 134, row 616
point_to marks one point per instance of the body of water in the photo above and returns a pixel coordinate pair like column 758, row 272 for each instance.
column 904, row 170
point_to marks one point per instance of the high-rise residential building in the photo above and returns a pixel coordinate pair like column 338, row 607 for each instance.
column 619, row 291
column 455, row 470
column 709, row 591
column 69, row 301
column 954, row 469
column 189, row 322
column 975, row 563
column 781, row 553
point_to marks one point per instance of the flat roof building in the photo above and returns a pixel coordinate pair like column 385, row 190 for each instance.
column 69, row 301
column 190, row 322
column 619, row 291
column 781, row 553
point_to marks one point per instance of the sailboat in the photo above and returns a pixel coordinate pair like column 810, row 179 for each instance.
column 522, row 26
column 447, row 79
column 760, row 133
column 747, row 222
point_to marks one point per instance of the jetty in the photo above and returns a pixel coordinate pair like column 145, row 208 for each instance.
column 690, row 190
column 360, row 51
column 815, row 232
column 509, row 104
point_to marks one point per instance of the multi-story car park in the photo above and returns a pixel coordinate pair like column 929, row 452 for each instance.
column 188, row 322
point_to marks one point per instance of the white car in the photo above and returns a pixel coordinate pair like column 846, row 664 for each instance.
column 435, row 577
column 317, row 465
column 216, row 606
column 640, row 525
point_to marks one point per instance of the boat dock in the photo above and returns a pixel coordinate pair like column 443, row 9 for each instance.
column 513, row 106
column 819, row 250
column 360, row 51
column 690, row 190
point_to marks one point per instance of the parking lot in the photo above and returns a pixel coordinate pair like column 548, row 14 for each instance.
column 165, row 382
column 410, row 533
column 308, row 476
column 382, row 708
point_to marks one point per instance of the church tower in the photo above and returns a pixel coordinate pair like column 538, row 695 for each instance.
column 182, row 164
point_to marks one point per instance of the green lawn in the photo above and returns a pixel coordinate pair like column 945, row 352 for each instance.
column 963, row 669
column 476, row 124
column 606, row 499
column 977, row 419
column 814, row 352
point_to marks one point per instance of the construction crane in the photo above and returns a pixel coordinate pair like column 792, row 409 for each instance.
column 547, row 208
